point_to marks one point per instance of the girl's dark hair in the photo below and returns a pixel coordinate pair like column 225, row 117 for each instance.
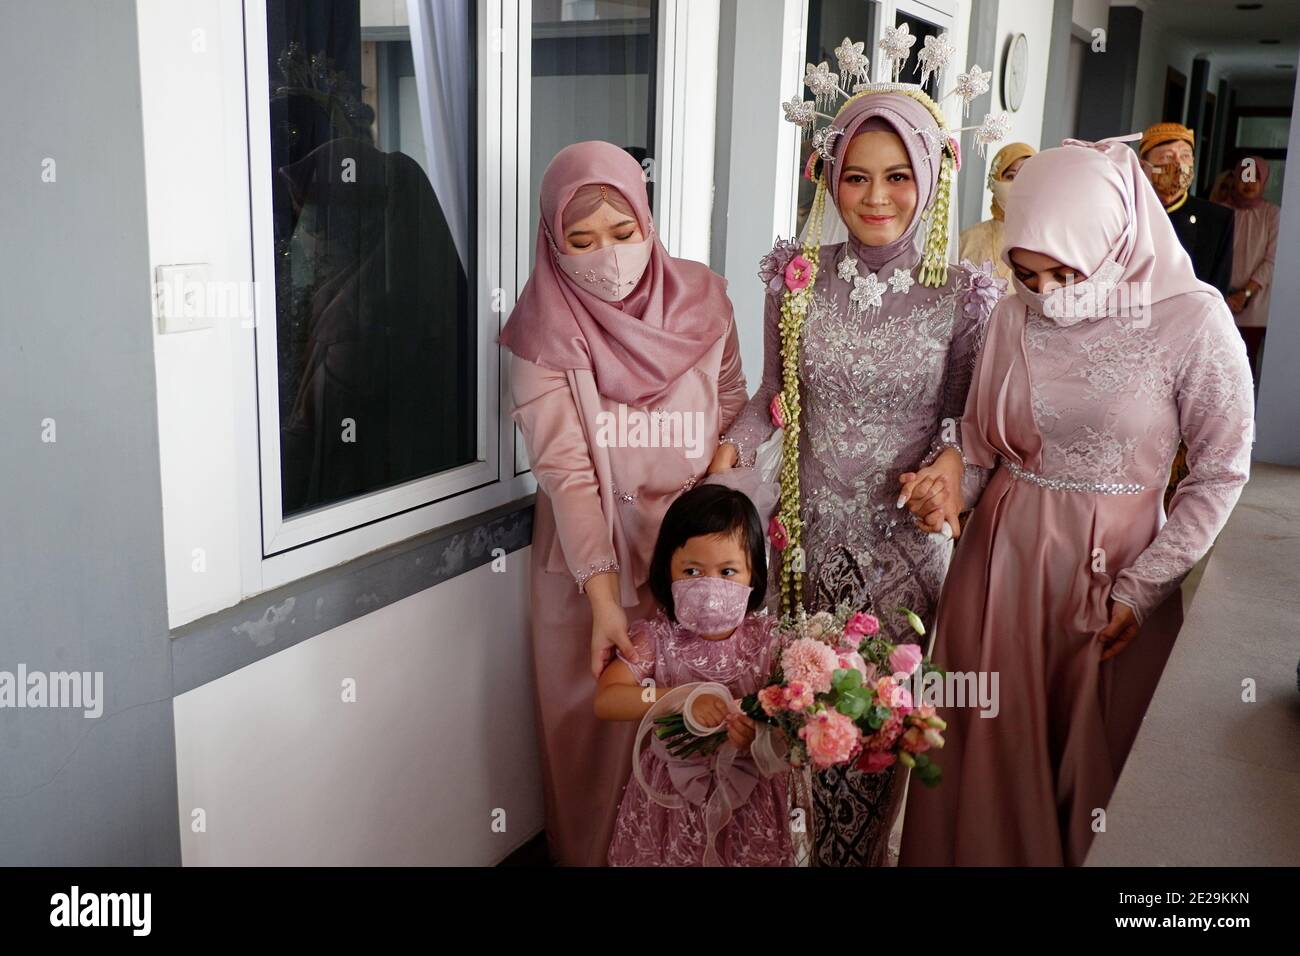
column 705, row 510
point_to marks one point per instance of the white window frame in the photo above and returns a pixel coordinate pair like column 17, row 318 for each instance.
column 222, row 490
column 289, row 548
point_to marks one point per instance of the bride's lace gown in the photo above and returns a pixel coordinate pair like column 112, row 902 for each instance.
column 883, row 364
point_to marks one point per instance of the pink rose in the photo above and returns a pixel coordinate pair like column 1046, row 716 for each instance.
column 852, row 661
column 885, row 738
column 797, row 696
column 798, row 273
column 810, row 662
column 893, row 695
column 831, row 737
column 905, row 659
column 875, row 761
column 777, row 411
column 772, row 700
column 862, row 625
column 777, row 533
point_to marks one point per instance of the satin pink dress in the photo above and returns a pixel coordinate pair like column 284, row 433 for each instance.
column 598, row 509
column 1080, row 422
column 648, row 834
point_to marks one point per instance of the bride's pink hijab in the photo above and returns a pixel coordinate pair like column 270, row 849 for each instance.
column 1084, row 204
column 636, row 349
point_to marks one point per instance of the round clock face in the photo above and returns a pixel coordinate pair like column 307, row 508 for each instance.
column 1015, row 73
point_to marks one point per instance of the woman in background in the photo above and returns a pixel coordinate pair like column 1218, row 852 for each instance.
column 982, row 242
column 1254, row 248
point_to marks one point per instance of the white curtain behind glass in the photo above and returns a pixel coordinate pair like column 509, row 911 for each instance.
column 440, row 47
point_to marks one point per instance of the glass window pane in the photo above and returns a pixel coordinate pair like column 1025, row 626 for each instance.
column 1263, row 132
column 593, row 78
column 375, row 314
column 829, row 22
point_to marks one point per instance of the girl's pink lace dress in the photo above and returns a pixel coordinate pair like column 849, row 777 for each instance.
column 647, row 834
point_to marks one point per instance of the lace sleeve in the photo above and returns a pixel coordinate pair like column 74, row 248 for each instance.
column 1216, row 419
column 753, row 425
column 978, row 293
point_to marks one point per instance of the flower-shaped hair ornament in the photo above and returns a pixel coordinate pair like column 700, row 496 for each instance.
column 991, row 130
column 800, row 112
column 897, row 46
column 934, row 55
column 823, row 83
column 970, row 85
column 853, row 63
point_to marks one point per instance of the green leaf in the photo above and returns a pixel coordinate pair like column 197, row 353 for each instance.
column 846, row 678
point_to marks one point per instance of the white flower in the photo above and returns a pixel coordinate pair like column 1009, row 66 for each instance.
column 897, row 44
column 901, row 281
column 820, row 80
column 848, row 267
column 934, row 56
column 800, row 112
column 991, row 130
column 852, row 61
column 972, row 84
column 867, row 291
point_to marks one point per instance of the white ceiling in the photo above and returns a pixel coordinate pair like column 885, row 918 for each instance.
column 1232, row 36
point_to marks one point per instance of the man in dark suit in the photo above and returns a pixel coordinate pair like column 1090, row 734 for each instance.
column 1204, row 228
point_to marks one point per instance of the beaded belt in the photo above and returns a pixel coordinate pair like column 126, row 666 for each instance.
column 1069, row 484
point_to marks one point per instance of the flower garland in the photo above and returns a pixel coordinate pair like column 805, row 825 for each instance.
column 786, row 530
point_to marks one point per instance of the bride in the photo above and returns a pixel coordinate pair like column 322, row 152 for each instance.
column 887, row 348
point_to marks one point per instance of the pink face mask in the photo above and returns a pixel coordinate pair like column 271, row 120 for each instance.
column 610, row 273
column 1089, row 298
column 708, row 605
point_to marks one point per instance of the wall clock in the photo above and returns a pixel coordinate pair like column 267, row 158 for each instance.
column 1015, row 72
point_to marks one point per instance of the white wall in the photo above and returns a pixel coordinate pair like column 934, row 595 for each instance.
column 1033, row 18
column 194, row 124
column 1159, row 50
column 442, row 732
column 1090, row 14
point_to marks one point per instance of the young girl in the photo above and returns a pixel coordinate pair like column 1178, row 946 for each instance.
column 709, row 576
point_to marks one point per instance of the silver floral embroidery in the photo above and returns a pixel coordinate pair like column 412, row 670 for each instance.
column 901, row 281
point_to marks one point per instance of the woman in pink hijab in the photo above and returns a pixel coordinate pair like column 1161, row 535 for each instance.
column 1065, row 584
column 626, row 369
column 1254, row 247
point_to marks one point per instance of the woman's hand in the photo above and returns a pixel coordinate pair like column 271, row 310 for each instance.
column 933, row 494
column 740, row 731
column 724, row 459
column 1116, row 635
column 608, row 622
column 708, row 711
column 1237, row 301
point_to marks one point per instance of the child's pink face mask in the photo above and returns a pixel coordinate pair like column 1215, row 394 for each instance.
column 708, row 605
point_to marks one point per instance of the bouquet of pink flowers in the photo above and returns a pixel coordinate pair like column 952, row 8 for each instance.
column 837, row 692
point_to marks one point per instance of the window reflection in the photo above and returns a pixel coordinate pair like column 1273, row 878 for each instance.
column 374, row 313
